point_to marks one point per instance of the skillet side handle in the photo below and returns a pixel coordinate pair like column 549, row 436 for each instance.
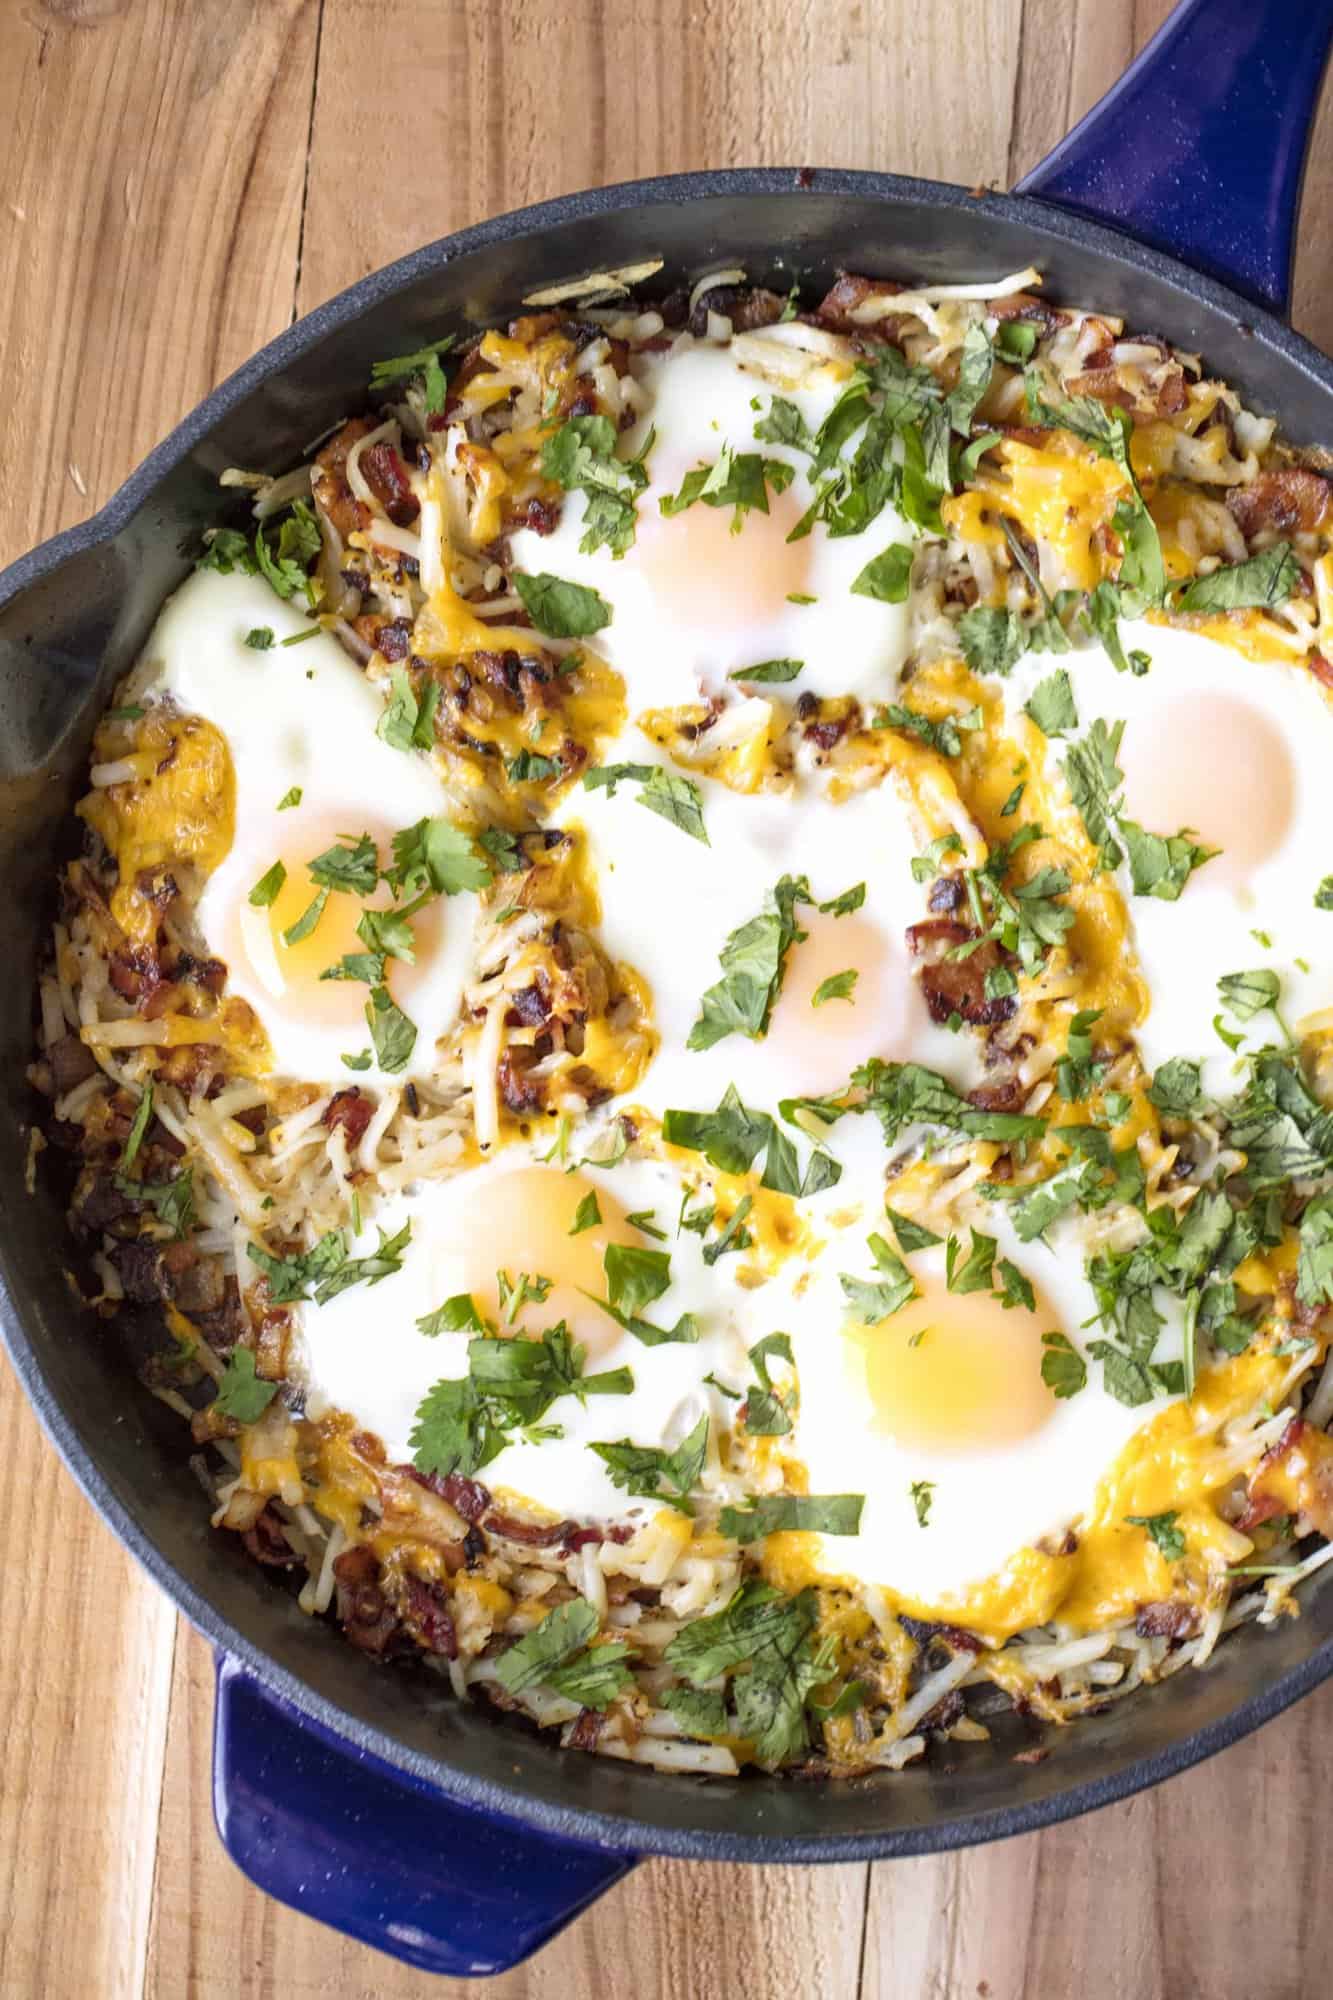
column 1199, row 149
column 341, row 1837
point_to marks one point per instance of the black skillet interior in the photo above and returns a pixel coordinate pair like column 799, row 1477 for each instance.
column 79, row 611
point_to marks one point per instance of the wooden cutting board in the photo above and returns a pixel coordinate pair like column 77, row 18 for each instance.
column 185, row 177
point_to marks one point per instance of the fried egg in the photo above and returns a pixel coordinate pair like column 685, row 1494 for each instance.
column 695, row 603
column 939, row 1415
column 299, row 725
column 669, row 904
column 518, row 1214
column 1235, row 751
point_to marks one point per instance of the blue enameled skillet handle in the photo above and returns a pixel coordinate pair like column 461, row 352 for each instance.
column 1199, row 150
column 334, row 1832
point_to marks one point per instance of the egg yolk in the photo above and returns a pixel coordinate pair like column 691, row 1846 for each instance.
column 700, row 572
column 953, row 1372
column 520, row 1224
column 1218, row 767
column 291, row 972
column 816, row 1046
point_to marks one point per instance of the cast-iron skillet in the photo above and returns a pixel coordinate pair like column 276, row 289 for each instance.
column 440, row 1832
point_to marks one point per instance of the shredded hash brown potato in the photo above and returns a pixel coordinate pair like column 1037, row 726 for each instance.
column 1082, row 456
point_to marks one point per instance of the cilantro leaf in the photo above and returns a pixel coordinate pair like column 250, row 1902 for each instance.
column 739, row 480
column 664, row 792
column 843, row 905
column 1163, row 1530
column 911, row 1235
column 767, row 1410
column 886, row 577
column 1161, row 866
column 1259, row 583
column 269, row 887
column 581, row 456
column 942, row 736
column 635, row 1277
column 438, row 856
column 1051, row 704
column 670, row 1476
column 352, row 867
column 457, row 1315
column 698, row 1711
column 752, row 960
column 1176, row 1089
column 838, row 986
column 407, row 721
column 872, row 1302
column 1063, row 1369
column 392, row 1034
column 769, row 673
column 562, row 1633
column 992, row 641
column 1249, row 993
column 561, row 609
column 779, row 1513
column 424, row 365
column 1093, row 777
column 241, row 1394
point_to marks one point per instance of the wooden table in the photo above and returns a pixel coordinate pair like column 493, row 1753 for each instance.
column 186, row 176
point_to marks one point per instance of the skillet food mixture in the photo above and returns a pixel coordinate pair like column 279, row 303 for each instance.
column 695, row 1014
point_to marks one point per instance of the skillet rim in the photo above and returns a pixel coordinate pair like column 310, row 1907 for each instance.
column 625, row 1832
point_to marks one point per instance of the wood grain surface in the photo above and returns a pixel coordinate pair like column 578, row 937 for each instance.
column 184, row 177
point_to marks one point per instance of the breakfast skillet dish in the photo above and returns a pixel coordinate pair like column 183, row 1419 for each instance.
column 692, row 1018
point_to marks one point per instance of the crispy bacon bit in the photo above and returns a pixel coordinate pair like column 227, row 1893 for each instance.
column 387, row 477
column 467, row 1497
column 210, row 973
column 587, row 1728
column 949, row 1709
column 1006, row 1093
column 520, row 1092
column 391, row 638
column 1022, row 305
column 70, row 1062
column 528, row 1008
column 947, row 894
column 580, row 1538
column 430, row 1619
column 1168, row 1620
column 535, row 1534
column 268, row 1544
column 364, row 1613
column 1294, row 1476
column 826, row 733
column 837, row 307
column 1036, row 1755
column 135, row 973
column 1291, row 500
column 190, row 1280
column 351, row 1110
column 542, row 516
column 333, row 495
column 957, row 985
column 746, row 306
column 925, row 1630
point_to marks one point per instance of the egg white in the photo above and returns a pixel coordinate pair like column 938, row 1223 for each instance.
column 698, row 400
column 1217, row 926
column 986, row 1502
column 669, row 903
column 363, row 1352
column 299, row 716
